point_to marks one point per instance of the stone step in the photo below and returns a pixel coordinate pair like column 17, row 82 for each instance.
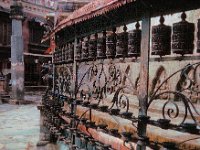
column 2, row 147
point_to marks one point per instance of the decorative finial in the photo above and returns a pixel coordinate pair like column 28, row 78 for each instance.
column 114, row 29
column 88, row 37
column 162, row 19
column 104, row 33
column 125, row 28
column 183, row 16
column 137, row 25
column 96, row 35
column 16, row 10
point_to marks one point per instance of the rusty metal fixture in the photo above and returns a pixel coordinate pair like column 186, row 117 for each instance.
column 183, row 36
column 78, row 50
column 114, row 111
column 161, row 39
column 134, row 41
column 85, row 45
column 90, row 124
column 79, row 102
column 103, row 108
column 169, row 146
column 102, row 126
column 93, row 106
column 83, row 120
column 122, row 43
column 143, row 118
column 198, row 36
column 106, row 147
column 190, row 127
column 70, row 52
column 164, row 123
column 127, row 135
column 114, row 132
column 126, row 115
column 111, row 44
column 86, row 103
column 92, row 48
column 101, row 46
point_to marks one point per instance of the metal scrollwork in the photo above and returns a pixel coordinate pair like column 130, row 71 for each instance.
column 97, row 83
column 93, row 88
column 114, row 78
column 67, row 81
column 189, row 83
column 180, row 103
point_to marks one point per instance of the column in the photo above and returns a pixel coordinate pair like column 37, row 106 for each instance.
column 17, row 57
column 144, row 82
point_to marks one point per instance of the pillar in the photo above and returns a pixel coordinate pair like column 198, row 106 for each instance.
column 144, row 82
column 17, row 57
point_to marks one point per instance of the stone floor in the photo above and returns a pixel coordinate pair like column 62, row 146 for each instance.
column 19, row 126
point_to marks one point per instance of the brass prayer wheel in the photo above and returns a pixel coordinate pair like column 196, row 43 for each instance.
column 55, row 57
column 111, row 44
column 78, row 50
column 66, row 53
column 85, row 46
column 70, row 52
column 134, row 41
column 122, row 43
column 59, row 56
column 92, row 48
column 183, row 37
column 161, row 39
column 101, row 46
column 198, row 36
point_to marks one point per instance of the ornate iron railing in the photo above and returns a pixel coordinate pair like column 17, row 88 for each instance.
column 91, row 85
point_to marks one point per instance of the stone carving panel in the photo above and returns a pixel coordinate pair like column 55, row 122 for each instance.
column 189, row 83
column 159, row 78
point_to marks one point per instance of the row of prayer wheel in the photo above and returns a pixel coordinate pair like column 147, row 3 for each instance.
column 182, row 37
column 128, row 44
column 125, row 44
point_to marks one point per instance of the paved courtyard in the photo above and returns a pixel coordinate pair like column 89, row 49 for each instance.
column 19, row 127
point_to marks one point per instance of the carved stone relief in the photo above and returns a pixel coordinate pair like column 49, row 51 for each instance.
column 159, row 78
column 189, row 83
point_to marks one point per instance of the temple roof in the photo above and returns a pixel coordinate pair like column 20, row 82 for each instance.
column 92, row 9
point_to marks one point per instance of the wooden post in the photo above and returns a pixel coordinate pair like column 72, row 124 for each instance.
column 144, row 80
